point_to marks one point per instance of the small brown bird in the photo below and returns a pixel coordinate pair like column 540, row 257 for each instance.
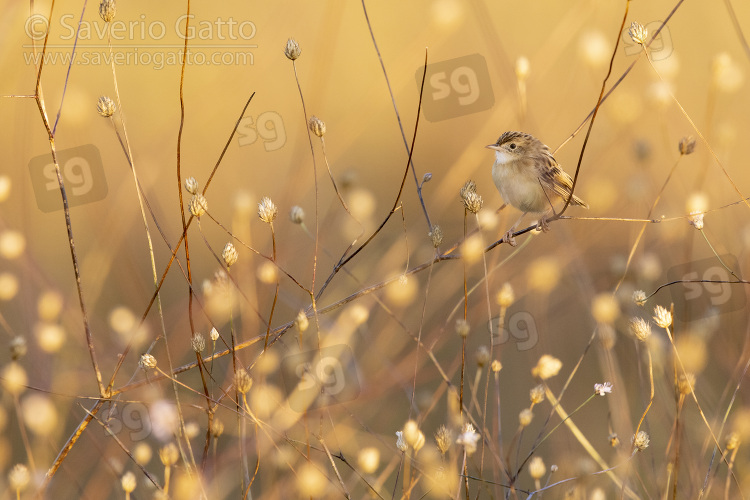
column 529, row 178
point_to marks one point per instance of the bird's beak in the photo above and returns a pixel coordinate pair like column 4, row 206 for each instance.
column 493, row 146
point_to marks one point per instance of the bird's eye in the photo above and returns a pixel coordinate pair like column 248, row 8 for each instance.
column 512, row 145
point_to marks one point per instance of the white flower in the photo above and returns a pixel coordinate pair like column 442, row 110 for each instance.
column 603, row 389
column 468, row 439
column 400, row 441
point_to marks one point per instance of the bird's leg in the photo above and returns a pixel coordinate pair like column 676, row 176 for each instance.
column 508, row 237
column 543, row 222
column 498, row 210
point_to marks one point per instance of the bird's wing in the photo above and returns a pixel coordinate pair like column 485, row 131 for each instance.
column 556, row 179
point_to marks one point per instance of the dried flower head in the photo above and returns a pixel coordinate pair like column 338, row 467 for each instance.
column 292, row 50
column 603, row 389
column 547, row 367
column 444, row 439
column 19, row 477
column 229, row 255
column 18, row 347
column 696, row 220
column 242, row 381
column 316, row 126
column 687, row 145
column 427, row 177
column 469, row 187
column 471, row 200
column 733, row 441
column 400, row 442
column 640, row 441
column 614, row 440
column 482, row 355
column 191, row 185
column 267, row 211
column 128, row 482
column 297, row 214
column 685, row 383
column 662, row 317
column 147, row 361
column 214, row 334
column 107, row 10
column 640, row 328
column 536, row 394
column 169, row 454
column 639, row 297
column 496, row 366
column 217, row 427
column 105, row 106
column 198, row 205
column 638, row 33
column 525, row 417
column 198, row 342
column 537, row 469
column 301, row 321
column 436, row 235
column 462, row 328
column 468, row 439
column 506, row 296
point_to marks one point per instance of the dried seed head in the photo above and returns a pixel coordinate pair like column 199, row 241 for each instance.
column 462, row 328
column 733, row 441
column 242, row 381
column 198, row 205
column 640, row 328
column 297, row 214
column 468, row 439
column 107, row 10
column 496, row 366
column 426, row 177
column 525, row 417
column 685, row 382
column 198, row 342
column 292, row 50
column 147, row 361
column 214, row 334
column 696, row 220
column 614, row 440
column 537, row 394
column 169, row 454
column 505, row 297
column 19, row 477
column 191, row 185
column 317, row 126
column 537, row 469
column 229, row 255
column 400, row 441
column 128, row 482
column 267, row 211
column 301, row 321
column 547, row 367
column 638, row 33
column 472, row 202
column 18, row 347
column 217, row 427
column 640, row 441
column 482, row 355
column 436, row 235
column 105, row 106
column 662, row 317
column 687, row 145
column 639, row 297
column 444, row 439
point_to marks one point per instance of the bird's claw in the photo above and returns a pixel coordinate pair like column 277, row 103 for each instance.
column 509, row 239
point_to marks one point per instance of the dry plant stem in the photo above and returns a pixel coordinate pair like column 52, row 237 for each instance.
column 463, row 342
column 619, row 80
column 121, row 357
column 335, row 469
column 419, row 340
column 39, row 98
column 488, row 365
column 596, row 111
column 70, row 66
column 731, row 467
column 24, row 434
column 398, row 116
column 345, row 260
column 737, row 27
column 697, row 131
column 276, row 293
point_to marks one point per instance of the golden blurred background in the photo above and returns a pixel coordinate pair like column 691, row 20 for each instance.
column 534, row 66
